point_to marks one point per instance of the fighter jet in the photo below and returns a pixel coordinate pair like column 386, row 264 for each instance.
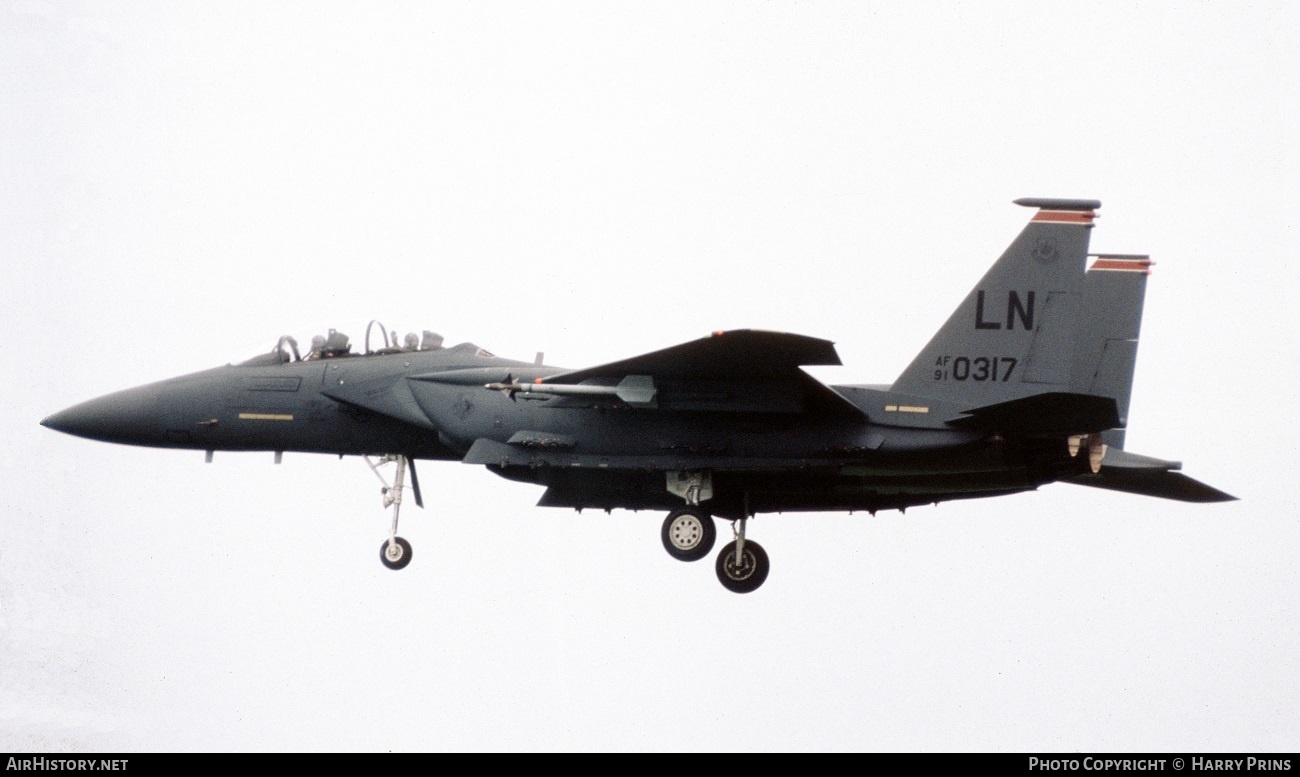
column 1026, row 384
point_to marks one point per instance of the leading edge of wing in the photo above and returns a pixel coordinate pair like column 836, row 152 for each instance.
column 740, row 353
column 736, row 356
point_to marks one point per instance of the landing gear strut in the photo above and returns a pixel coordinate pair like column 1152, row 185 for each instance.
column 395, row 553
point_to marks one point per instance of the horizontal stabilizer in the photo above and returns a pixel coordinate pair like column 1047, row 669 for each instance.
column 1053, row 413
column 1116, row 458
column 1165, row 484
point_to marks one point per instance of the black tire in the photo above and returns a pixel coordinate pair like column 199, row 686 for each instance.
column 752, row 571
column 402, row 554
column 688, row 534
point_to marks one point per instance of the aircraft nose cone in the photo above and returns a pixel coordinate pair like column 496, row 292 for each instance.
column 127, row 416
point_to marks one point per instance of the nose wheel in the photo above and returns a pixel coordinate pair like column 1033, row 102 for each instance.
column 395, row 553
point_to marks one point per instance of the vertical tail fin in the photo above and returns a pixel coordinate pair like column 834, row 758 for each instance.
column 1014, row 335
column 1105, row 353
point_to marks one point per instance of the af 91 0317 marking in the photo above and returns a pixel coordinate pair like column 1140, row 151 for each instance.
column 975, row 368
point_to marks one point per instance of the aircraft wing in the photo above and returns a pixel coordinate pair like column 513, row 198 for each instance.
column 741, row 353
column 744, row 370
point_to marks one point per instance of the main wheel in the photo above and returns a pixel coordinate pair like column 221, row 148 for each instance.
column 749, row 574
column 688, row 534
column 397, row 556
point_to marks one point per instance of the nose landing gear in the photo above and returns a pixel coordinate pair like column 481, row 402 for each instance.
column 395, row 553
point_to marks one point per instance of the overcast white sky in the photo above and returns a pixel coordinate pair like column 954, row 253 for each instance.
column 182, row 183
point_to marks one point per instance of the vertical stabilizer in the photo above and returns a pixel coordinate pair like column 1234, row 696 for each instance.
column 1014, row 334
column 1105, row 355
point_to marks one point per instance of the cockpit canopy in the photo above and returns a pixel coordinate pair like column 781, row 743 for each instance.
column 336, row 345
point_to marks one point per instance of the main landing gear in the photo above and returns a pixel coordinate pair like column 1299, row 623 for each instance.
column 395, row 553
column 742, row 566
column 688, row 534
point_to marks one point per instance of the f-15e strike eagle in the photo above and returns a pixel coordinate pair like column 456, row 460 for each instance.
column 1027, row 383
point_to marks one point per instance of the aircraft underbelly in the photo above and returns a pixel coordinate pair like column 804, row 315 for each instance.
column 811, row 488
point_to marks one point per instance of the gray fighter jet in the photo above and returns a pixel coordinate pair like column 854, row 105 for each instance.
column 1027, row 383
